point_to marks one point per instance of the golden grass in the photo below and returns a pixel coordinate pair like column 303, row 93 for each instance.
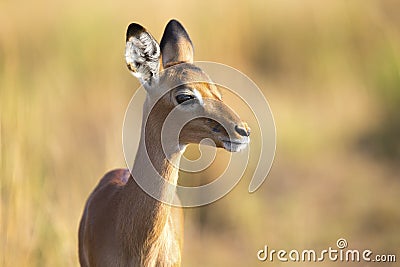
column 330, row 70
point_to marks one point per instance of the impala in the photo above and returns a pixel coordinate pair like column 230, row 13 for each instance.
column 121, row 224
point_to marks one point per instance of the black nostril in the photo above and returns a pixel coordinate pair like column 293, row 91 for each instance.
column 242, row 131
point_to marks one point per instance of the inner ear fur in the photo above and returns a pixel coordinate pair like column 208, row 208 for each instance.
column 142, row 53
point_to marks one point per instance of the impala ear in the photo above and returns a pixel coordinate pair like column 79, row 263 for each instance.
column 176, row 46
column 142, row 53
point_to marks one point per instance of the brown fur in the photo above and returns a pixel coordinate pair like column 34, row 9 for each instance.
column 121, row 224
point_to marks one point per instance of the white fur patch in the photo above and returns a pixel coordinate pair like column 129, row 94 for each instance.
column 142, row 55
column 198, row 96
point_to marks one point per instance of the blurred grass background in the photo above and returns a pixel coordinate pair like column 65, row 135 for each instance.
column 330, row 70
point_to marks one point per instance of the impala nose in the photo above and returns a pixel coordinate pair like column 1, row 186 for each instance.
column 243, row 130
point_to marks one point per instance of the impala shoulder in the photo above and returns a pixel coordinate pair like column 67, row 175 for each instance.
column 117, row 177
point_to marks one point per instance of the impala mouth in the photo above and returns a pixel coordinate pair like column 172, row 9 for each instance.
column 235, row 145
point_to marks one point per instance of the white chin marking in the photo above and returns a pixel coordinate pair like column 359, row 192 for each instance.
column 234, row 147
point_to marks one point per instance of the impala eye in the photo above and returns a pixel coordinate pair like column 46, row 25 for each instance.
column 183, row 98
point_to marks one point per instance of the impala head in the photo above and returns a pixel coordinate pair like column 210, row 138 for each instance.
column 180, row 92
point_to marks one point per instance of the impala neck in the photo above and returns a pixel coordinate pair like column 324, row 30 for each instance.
column 152, row 163
column 148, row 216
